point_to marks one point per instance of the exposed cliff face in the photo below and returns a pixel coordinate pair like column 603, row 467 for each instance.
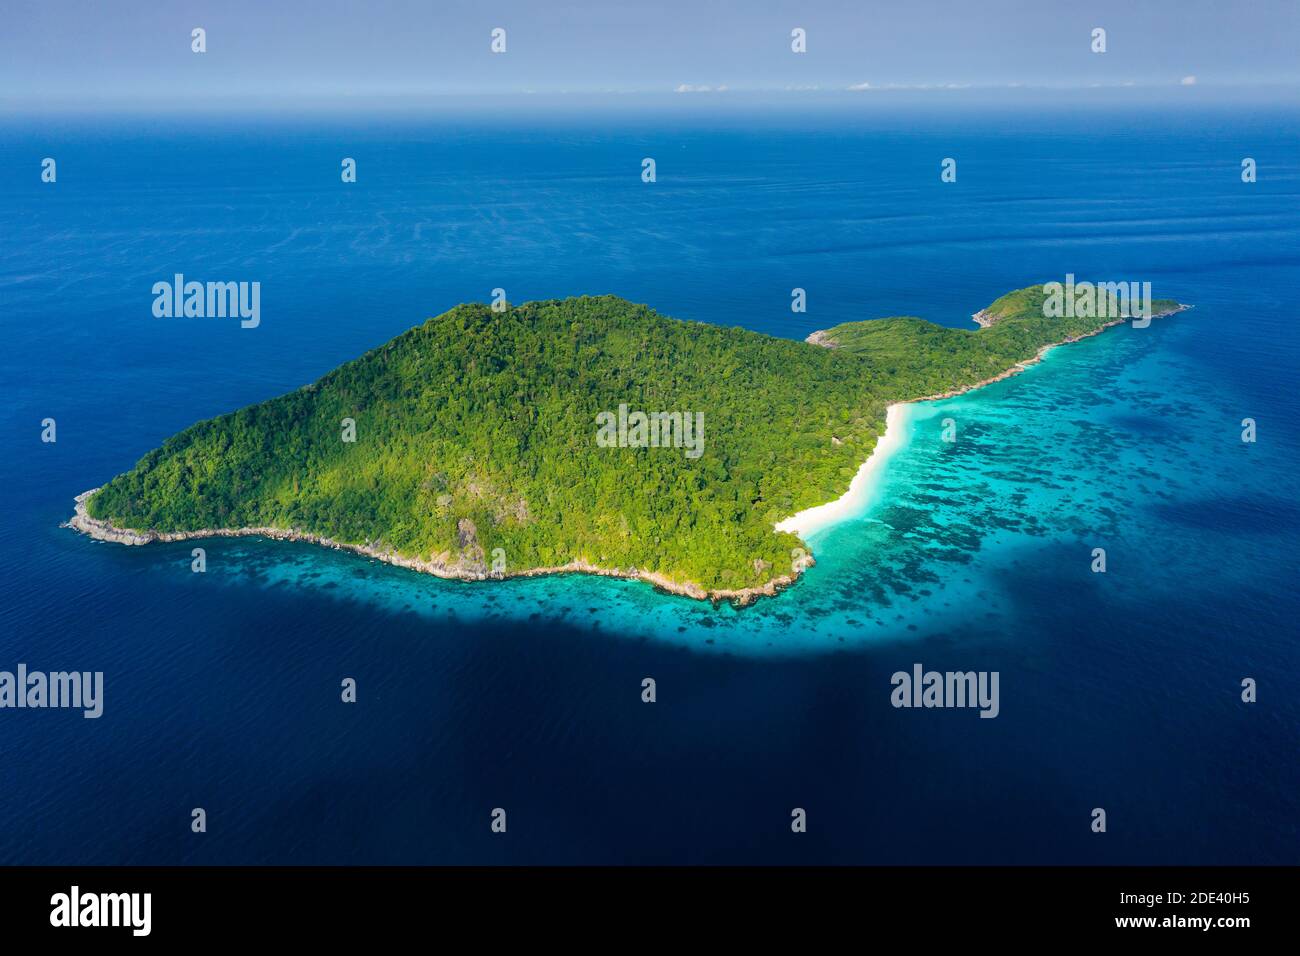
column 821, row 338
column 470, row 559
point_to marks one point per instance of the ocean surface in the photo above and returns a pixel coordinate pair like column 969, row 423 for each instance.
column 1118, row 690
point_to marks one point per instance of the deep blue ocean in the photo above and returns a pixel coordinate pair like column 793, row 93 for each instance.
column 1119, row 690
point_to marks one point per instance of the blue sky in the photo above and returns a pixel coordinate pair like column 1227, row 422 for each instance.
column 136, row 53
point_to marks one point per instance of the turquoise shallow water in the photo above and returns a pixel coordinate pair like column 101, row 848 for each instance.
column 1107, row 443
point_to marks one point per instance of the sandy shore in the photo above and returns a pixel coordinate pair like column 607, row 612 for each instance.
column 864, row 483
column 861, row 488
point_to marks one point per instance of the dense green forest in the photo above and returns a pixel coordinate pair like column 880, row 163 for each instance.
column 920, row 358
column 490, row 419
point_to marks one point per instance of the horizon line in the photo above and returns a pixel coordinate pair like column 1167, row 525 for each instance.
column 1189, row 87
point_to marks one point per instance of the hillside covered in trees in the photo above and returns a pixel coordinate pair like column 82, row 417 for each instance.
column 478, row 430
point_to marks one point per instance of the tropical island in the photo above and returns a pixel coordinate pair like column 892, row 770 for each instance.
column 548, row 438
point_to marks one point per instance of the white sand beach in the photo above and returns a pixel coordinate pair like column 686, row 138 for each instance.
column 861, row 488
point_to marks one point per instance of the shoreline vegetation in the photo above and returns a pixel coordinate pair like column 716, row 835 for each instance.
column 811, row 520
column 103, row 531
column 818, row 517
column 217, row 468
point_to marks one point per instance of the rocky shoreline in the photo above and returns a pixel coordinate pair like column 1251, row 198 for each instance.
column 984, row 320
column 103, row 531
column 1021, row 366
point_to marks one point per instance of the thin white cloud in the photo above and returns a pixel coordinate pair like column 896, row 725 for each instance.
column 1188, row 81
column 858, row 87
column 701, row 88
